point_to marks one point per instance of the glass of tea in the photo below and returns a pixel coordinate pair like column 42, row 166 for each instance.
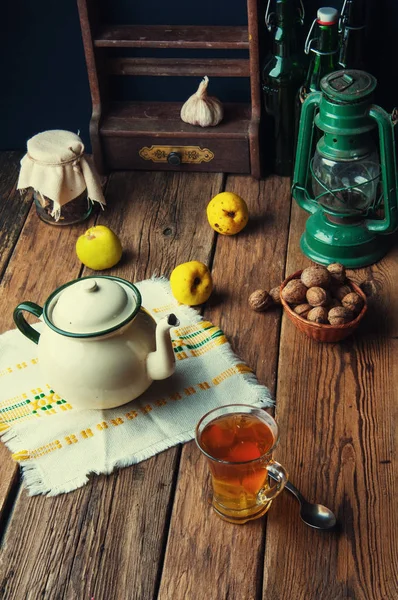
column 238, row 441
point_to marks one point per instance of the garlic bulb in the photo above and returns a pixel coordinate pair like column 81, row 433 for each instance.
column 201, row 109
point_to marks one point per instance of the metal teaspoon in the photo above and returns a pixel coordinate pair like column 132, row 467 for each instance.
column 314, row 515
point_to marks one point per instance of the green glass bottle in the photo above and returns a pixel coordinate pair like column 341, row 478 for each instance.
column 352, row 30
column 283, row 72
column 324, row 48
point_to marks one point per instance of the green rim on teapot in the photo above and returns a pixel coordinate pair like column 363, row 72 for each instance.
column 86, row 307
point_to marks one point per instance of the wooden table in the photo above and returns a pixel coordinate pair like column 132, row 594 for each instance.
column 146, row 532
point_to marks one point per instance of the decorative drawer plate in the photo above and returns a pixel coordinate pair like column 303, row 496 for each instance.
column 188, row 154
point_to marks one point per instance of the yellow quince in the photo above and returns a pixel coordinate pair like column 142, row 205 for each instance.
column 191, row 283
column 227, row 213
column 99, row 248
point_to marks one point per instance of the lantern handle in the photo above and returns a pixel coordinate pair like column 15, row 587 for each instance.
column 388, row 173
column 301, row 167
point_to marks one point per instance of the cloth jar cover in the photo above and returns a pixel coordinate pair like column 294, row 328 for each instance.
column 55, row 167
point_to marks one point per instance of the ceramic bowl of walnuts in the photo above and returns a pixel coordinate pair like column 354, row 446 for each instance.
column 323, row 303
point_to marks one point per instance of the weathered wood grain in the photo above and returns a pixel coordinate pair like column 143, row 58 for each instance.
column 101, row 541
column 256, row 33
column 89, row 18
column 206, row 557
column 179, row 67
column 43, row 258
column 34, row 246
column 106, row 540
column 253, row 259
column 172, row 36
column 13, row 206
column 336, row 406
column 13, row 211
column 160, row 219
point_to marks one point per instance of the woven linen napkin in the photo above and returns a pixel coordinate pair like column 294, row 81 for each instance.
column 58, row 445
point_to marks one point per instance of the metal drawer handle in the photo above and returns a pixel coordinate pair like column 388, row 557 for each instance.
column 176, row 155
column 174, row 158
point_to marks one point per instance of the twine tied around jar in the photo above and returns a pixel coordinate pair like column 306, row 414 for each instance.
column 57, row 169
column 73, row 161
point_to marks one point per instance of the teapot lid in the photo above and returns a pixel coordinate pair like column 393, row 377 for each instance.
column 92, row 305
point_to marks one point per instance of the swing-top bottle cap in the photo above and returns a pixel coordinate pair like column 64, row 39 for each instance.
column 327, row 15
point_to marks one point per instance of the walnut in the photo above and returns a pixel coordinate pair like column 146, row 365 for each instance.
column 319, row 314
column 337, row 271
column 353, row 302
column 294, row 291
column 317, row 296
column 260, row 300
column 339, row 315
column 316, row 276
column 340, row 291
column 302, row 310
column 275, row 294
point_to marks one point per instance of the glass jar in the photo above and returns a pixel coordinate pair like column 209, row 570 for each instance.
column 75, row 211
column 65, row 185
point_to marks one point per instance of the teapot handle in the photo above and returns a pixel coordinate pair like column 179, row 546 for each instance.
column 20, row 321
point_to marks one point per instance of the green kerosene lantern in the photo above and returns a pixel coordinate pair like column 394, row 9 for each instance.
column 350, row 184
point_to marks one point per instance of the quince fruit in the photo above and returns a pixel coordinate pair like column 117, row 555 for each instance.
column 99, row 248
column 191, row 283
column 227, row 213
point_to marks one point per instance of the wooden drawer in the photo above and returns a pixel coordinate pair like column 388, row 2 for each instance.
column 152, row 153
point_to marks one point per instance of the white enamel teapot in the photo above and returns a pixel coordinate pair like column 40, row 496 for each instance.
column 99, row 347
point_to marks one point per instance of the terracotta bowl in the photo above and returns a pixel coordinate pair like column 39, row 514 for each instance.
column 320, row 332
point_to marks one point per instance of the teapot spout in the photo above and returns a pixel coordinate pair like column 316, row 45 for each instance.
column 161, row 363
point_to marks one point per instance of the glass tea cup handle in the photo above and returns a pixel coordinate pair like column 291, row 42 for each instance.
column 280, row 476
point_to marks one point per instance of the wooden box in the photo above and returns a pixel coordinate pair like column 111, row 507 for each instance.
column 151, row 135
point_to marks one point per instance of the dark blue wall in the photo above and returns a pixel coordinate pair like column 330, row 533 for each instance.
column 43, row 73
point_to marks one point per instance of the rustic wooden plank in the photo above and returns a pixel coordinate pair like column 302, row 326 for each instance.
column 179, row 67
column 379, row 282
column 106, row 539
column 89, row 17
column 172, row 36
column 160, row 118
column 255, row 87
column 336, row 406
column 13, row 211
column 43, row 258
column 206, row 557
column 13, row 206
column 100, row 541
